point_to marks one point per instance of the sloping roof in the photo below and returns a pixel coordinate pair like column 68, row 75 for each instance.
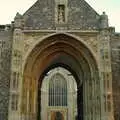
column 80, row 15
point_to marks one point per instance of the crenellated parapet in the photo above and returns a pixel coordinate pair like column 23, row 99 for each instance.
column 6, row 27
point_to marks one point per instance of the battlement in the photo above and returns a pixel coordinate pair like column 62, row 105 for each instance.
column 117, row 34
column 5, row 27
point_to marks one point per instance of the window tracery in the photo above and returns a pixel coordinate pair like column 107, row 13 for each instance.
column 57, row 91
column 14, row 102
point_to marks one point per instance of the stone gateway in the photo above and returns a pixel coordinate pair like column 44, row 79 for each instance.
column 59, row 61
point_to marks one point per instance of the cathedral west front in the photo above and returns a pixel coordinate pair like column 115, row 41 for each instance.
column 59, row 61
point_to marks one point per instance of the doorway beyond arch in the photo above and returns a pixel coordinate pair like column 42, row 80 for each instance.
column 58, row 93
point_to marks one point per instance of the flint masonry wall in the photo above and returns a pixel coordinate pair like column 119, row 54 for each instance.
column 5, row 60
column 80, row 16
column 115, row 46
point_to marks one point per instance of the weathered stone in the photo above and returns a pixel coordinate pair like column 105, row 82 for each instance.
column 5, row 65
column 51, row 33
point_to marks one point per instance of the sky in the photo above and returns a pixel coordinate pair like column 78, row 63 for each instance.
column 9, row 8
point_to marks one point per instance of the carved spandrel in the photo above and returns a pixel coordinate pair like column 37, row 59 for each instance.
column 30, row 40
column 91, row 40
column 92, row 43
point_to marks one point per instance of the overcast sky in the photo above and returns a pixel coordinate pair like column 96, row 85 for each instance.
column 9, row 8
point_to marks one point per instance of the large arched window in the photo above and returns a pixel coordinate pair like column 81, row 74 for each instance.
column 57, row 90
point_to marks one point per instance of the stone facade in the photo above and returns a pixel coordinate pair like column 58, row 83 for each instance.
column 80, row 16
column 23, row 46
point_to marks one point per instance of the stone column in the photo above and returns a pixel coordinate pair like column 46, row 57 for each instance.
column 16, row 68
column 87, row 94
column 44, row 98
column 95, row 95
column 105, row 75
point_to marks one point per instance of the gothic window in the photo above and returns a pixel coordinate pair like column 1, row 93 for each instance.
column 15, row 53
column 57, row 91
column 102, row 53
column 3, row 44
column 109, row 103
column 108, row 80
column 106, row 54
column 17, row 57
column 105, row 103
column 15, row 79
column 61, row 13
column 14, row 102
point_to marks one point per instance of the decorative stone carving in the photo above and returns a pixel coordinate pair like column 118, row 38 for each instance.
column 61, row 13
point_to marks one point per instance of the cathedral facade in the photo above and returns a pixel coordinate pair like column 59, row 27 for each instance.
column 59, row 61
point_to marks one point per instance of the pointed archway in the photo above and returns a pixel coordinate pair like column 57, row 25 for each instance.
column 66, row 51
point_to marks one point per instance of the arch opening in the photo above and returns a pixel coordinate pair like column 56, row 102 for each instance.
column 61, row 95
column 70, row 54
